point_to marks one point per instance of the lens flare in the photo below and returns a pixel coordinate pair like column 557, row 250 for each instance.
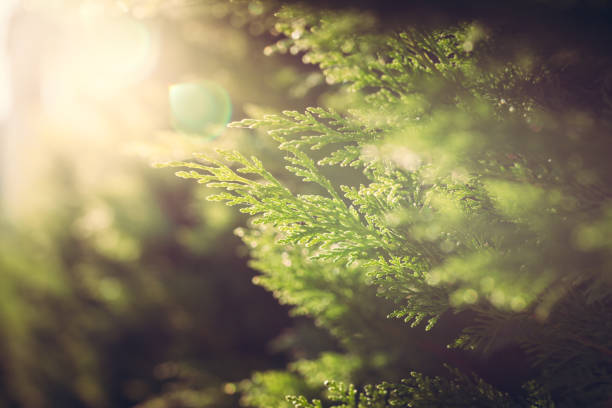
column 202, row 108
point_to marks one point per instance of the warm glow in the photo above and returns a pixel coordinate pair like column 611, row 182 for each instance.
column 104, row 55
column 71, row 72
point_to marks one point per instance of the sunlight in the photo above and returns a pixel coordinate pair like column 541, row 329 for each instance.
column 71, row 73
column 108, row 55
column 6, row 8
column 99, row 57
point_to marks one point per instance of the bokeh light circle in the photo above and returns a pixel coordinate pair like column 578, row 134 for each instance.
column 201, row 108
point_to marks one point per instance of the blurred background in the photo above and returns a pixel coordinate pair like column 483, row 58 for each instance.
column 120, row 285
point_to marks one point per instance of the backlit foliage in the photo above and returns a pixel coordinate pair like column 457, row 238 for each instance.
column 481, row 185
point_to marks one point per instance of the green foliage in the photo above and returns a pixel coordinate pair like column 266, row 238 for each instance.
column 473, row 191
column 419, row 391
column 267, row 389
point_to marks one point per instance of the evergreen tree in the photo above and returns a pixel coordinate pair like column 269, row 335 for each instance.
column 457, row 178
